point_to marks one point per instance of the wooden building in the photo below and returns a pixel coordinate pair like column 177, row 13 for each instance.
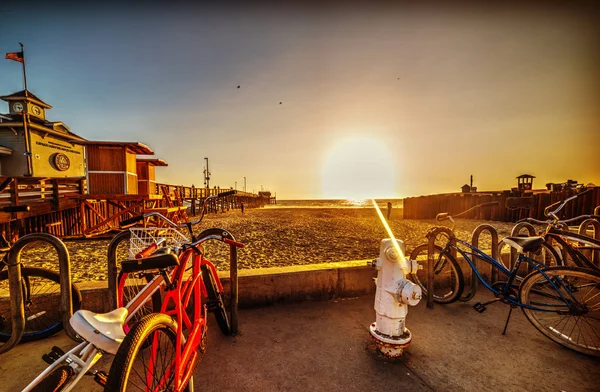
column 32, row 146
column 112, row 166
column 147, row 175
column 525, row 182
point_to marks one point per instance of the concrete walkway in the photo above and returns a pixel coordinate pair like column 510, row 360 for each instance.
column 325, row 346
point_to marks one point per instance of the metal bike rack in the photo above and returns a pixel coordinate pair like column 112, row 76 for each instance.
column 583, row 227
column 432, row 236
column 233, row 287
column 233, row 273
column 113, row 270
column 17, row 311
column 515, row 232
column 16, row 292
column 495, row 254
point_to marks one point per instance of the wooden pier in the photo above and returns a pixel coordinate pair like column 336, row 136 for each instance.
column 63, row 208
column 532, row 204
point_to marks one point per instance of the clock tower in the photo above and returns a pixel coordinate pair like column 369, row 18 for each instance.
column 24, row 102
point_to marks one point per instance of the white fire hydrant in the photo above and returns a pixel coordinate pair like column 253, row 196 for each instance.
column 394, row 294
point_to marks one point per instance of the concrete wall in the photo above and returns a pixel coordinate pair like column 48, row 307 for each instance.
column 269, row 286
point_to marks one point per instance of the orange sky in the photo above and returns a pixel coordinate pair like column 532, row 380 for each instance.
column 441, row 93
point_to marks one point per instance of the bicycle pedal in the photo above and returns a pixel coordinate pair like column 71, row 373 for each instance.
column 54, row 355
column 58, row 350
column 479, row 307
column 100, row 377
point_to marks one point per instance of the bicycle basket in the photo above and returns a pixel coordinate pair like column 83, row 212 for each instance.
column 142, row 238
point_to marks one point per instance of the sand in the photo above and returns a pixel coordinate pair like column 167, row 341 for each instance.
column 277, row 237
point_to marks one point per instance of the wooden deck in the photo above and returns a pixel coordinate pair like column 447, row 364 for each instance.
column 61, row 206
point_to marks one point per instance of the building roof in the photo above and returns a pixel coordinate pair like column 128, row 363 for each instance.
column 57, row 128
column 134, row 147
column 26, row 95
column 153, row 161
column 526, row 176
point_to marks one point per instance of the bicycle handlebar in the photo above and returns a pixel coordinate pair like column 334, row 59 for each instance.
column 532, row 220
column 552, row 214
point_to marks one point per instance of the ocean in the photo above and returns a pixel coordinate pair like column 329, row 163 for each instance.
column 324, row 203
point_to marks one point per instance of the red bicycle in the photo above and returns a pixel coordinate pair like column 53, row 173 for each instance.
column 162, row 348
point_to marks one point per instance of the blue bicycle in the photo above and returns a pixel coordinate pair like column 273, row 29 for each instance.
column 562, row 302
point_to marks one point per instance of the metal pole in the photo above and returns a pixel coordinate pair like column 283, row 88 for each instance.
column 24, row 73
column 244, row 184
column 233, row 281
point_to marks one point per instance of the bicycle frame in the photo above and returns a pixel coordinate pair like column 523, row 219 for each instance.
column 562, row 237
column 85, row 355
column 511, row 274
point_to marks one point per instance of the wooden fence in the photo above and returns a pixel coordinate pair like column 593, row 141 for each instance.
column 533, row 204
column 61, row 206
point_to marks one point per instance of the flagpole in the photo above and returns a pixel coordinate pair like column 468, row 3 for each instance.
column 24, row 73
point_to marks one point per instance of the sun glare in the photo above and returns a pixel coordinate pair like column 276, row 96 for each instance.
column 358, row 169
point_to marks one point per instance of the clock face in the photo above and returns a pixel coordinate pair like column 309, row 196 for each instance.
column 36, row 110
column 18, row 107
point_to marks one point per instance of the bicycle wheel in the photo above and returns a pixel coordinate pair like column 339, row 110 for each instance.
column 215, row 300
column 152, row 368
column 448, row 277
column 55, row 381
column 570, row 314
column 128, row 286
column 41, row 299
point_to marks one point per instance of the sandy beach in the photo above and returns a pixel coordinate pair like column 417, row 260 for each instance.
column 277, row 237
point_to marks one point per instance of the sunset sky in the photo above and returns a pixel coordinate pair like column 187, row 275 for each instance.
column 375, row 102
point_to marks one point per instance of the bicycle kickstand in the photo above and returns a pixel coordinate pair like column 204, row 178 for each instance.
column 508, row 318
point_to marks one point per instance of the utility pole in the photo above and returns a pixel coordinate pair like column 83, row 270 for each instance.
column 235, row 186
column 206, row 175
column 244, row 184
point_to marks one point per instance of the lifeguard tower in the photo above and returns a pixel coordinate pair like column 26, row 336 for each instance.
column 525, row 182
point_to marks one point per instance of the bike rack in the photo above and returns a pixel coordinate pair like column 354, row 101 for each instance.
column 475, row 242
column 432, row 236
column 583, row 230
column 113, row 271
column 515, row 232
column 233, row 273
column 16, row 293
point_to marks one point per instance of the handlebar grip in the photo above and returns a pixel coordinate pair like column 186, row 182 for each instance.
column 547, row 209
column 131, row 221
column 228, row 193
column 15, row 209
column 147, row 252
column 442, row 216
column 234, row 243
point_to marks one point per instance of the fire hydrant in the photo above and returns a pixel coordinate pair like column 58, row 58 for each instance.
column 394, row 294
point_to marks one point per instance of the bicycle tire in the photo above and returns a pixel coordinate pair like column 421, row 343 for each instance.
column 536, row 288
column 43, row 316
column 128, row 285
column 55, row 381
column 215, row 302
column 130, row 358
column 452, row 285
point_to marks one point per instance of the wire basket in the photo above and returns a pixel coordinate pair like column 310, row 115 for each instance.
column 143, row 237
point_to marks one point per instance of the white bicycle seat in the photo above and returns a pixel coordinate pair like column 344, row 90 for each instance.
column 103, row 330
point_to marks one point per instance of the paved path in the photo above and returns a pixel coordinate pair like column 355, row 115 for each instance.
column 325, row 346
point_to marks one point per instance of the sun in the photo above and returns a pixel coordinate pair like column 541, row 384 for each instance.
column 358, row 169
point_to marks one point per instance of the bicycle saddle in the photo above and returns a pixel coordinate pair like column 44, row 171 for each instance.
column 159, row 261
column 103, row 330
column 524, row 244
